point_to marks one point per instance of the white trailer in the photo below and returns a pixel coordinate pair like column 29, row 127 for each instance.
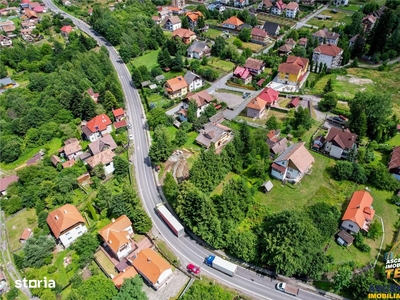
column 221, row 265
column 170, row 220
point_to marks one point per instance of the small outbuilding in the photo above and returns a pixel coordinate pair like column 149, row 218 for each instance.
column 267, row 186
column 344, row 238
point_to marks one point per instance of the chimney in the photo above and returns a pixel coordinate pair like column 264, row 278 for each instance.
column 65, row 211
column 358, row 206
column 113, row 220
column 148, row 259
column 342, row 128
column 110, row 242
column 56, row 217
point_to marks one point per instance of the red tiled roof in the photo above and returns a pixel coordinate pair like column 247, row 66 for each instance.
column 293, row 65
column 343, row 139
column 233, row 21
column 255, row 64
column 98, row 123
column 359, row 208
column 26, row 234
column 6, row 181
column 328, row 49
column 292, row 6
column 66, row 28
column 120, row 124
column 280, row 5
column 261, row 81
column 257, row 103
column 241, row 72
column 259, row 32
column 278, row 167
column 395, row 158
column 268, row 95
column 294, row 102
column 118, row 112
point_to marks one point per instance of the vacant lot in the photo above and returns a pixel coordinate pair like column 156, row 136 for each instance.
column 223, row 65
column 17, row 224
column 337, row 18
column 149, row 60
column 280, row 20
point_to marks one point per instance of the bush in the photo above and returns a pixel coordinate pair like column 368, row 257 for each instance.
column 359, row 243
column 343, row 170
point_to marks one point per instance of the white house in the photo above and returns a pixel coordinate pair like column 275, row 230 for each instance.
column 105, row 158
column 232, row 23
column 173, row 23
column 359, row 213
column 97, row 127
column 117, row 236
column 278, row 8
column 202, row 99
column 153, row 268
column 193, row 80
column 328, row 54
column 339, row 142
column 291, row 10
column 66, row 224
column 198, row 50
column 292, row 164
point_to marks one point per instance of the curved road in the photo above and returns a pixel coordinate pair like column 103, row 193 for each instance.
column 246, row 281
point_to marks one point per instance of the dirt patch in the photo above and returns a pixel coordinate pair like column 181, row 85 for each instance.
column 354, row 80
column 177, row 164
column 233, row 100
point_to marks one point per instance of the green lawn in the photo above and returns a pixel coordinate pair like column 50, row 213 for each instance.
column 337, row 18
column 51, row 146
column 218, row 189
column 213, row 33
column 223, row 65
column 106, row 263
column 395, row 141
column 17, row 224
column 149, row 60
column 157, row 99
column 352, row 7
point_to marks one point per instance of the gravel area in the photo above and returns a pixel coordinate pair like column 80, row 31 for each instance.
column 171, row 288
column 233, row 100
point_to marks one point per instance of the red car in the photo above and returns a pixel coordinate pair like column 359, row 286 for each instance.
column 193, row 269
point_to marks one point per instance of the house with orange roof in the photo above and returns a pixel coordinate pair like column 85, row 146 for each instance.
column 25, row 235
column 292, row 164
column 66, row 224
column 119, row 114
column 66, row 30
column 127, row 273
column 93, row 95
column 293, row 71
column 176, row 87
column 186, row 35
column 359, row 213
column 232, row 23
column 97, row 127
column 256, row 107
column 153, row 268
column 329, row 55
column 193, row 17
column 117, row 237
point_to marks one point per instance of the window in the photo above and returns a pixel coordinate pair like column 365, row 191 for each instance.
column 70, row 238
column 68, row 233
column 351, row 226
column 80, row 232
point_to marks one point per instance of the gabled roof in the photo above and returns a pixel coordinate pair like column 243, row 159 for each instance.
column 329, row 49
column 120, row 124
column 241, row 72
column 106, row 142
column 293, row 65
column 127, row 273
column 118, row 112
column 341, row 138
column 174, row 20
column 303, row 41
column 150, row 264
column 194, row 15
column 285, row 48
column 6, row 181
column 395, row 158
column 255, row 64
column 66, row 28
column 211, row 133
column 235, row 21
column 277, row 147
column 294, row 102
column 190, row 77
column 268, row 95
column 298, row 155
column 359, row 208
column 197, row 46
column 98, row 123
column 104, row 158
column 259, row 32
column 69, row 163
column 292, row 6
column 270, row 27
column 256, row 103
column 370, row 18
column 176, row 84
column 26, row 234
column 280, row 5
column 290, row 42
column 325, row 33
column 182, row 32
column 63, row 218
column 267, row 3
column 114, row 234
column 201, row 98
column 72, row 146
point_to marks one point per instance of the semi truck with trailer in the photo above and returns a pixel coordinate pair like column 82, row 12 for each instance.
column 170, row 220
column 287, row 288
column 221, row 265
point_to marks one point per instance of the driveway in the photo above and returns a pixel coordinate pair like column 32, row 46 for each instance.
column 232, row 100
column 170, row 289
column 303, row 22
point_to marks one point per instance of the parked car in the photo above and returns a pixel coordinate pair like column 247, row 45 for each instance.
column 343, row 118
column 193, row 269
column 131, row 136
column 338, row 119
column 129, row 125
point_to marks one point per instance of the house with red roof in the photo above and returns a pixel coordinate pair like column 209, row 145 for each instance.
column 278, row 8
column 255, row 66
column 67, row 224
column 269, row 95
column 25, row 235
column 119, row 114
column 265, row 5
column 97, row 127
column 93, row 95
column 293, row 71
column 243, row 75
column 259, row 36
column 66, row 30
column 359, row 213
column 5, row 182
column 394, row 163
column 340, row 142
column 329, row 55
column 291, row 10
column 256, row 107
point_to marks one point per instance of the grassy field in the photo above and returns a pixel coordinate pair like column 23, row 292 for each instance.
column 166, row 251
column 280, row 20
column 52, row 147
column 105, row 262
column 395, row 141
column 382, row 81
column 149, row 60
column 157, row 99
column 337, row 18
column 213, row 33
column 223, row 65
column 352, row 7
column 218, row 189
column 17, row 224
column 252, row 46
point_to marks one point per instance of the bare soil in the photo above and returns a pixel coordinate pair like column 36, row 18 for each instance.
column 354, row 80
column 177, row 164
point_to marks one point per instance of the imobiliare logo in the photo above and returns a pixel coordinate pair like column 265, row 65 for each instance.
column 35, row 284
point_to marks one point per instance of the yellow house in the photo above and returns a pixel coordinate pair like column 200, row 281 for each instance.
column 293, row 71
column 176, row 87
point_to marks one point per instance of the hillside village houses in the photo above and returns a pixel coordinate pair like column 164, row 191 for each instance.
column 359, row 213
column 72, row 149
column 5, row 182
column 265, row 5
column 202, row 99
column 271, row 28
column 232, row 23
column 173, row 23
column 186, row 35
column 259, row 36
column 394, row 163
column 293, row 71
column 256, row 107
column 255, row 66
column 292, row 164
column 243, row 75
column 198, row 50
column 328, row 54
column 214, row 134
column 324, row 36
column 292, row 9
column 97, row 127
column 340, row 142
column 278, row 8
column 66, row 224
column 193, row 17
column 176, row 87
column 104, row 158
column 193, row 81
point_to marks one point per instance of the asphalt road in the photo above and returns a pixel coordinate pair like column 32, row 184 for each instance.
column 185, row 248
